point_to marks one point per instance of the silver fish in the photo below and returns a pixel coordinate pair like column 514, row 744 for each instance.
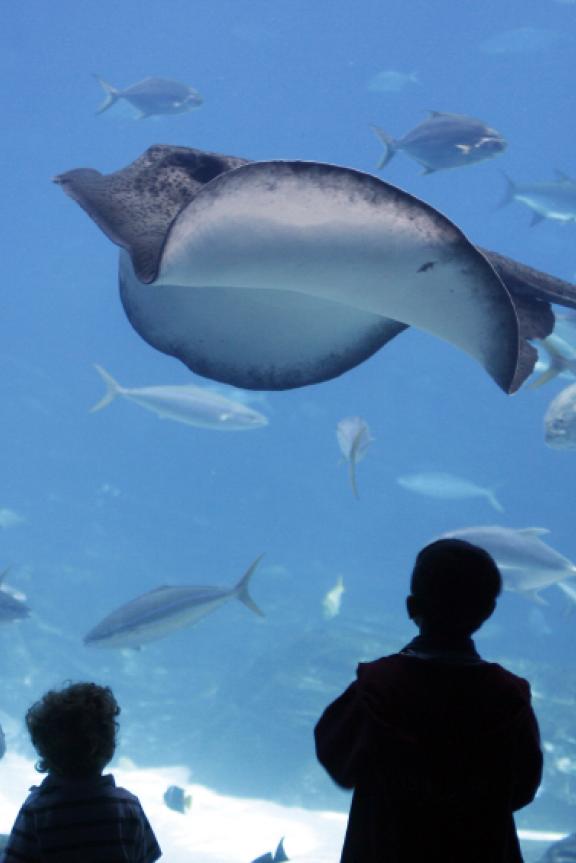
column 12, row 605
column 444, row 141
column 391, row 81
column 521, row 40
column 152, row 96
column 276, row 275
column 354, row 438
column 446, row 486
column 560, row 420
column 195, row 406
column 527, row 563
column 159, row 612
column 555, row 200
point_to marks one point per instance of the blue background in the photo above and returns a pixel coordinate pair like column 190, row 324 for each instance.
column 117, row 503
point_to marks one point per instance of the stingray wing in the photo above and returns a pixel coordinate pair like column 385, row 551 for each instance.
column 317, row 237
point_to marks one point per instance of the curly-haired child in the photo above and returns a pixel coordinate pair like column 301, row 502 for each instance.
column 77, row 815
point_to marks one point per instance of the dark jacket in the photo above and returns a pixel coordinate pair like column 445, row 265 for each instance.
column 440, row 748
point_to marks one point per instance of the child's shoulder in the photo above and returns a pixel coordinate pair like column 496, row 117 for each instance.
column 506, row 679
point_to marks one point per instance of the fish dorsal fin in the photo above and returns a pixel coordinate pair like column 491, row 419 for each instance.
column 3, row 574
column 135, row 207
column 436, row 113
column 280, row 855
column 533, row 531
column 562, row 177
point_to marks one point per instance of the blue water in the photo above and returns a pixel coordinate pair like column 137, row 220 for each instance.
column 117, row 503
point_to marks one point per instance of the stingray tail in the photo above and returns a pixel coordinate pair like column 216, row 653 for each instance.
column 113, row 389
column 112, row 95
column 509, row 192
column 390, row 146
column 241, row 588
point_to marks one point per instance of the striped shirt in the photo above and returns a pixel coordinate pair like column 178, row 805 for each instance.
column 81, row 821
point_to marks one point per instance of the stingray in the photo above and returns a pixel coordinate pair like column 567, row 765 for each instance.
column 272, row 275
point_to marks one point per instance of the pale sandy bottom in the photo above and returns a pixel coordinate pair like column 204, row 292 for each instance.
column 217, row 829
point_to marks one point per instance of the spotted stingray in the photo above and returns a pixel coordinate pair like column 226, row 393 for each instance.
column 276, row 274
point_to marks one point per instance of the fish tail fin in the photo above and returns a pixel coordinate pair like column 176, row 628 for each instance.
column 242, row 588
column 546, row 376
column 390, row 146
column 535, row 597
column 112, row 95
column 567, row 589
column 113, row 389
column 493, row 500
column 557, row 363
column 509, row 192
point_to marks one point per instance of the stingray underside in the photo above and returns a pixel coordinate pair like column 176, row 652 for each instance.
column 260, row 339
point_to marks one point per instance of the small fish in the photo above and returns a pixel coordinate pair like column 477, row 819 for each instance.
column 528, row 564
column 521, row 40
column 279, row 855
column 446, row 486
column 333, row 599
column 561, row 361
column 444, row 141
column 189, row 404
column 560, row 420
column 555, row 200
column 9, row 518
column 152, row 96
column 176, row 798
column 391, row 81
column 159, row 612
column 12, row 605
column 354, row 439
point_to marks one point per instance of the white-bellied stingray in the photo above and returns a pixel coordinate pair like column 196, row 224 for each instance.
column 273, row 275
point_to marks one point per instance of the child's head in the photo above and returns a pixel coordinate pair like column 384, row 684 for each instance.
column 453, row 588
column 74, row 730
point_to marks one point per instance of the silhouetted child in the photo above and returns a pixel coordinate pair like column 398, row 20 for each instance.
column 77, row 815
column 439, row 746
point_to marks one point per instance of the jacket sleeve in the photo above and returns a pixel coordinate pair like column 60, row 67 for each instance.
column 528, row 760
column 340, row 738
